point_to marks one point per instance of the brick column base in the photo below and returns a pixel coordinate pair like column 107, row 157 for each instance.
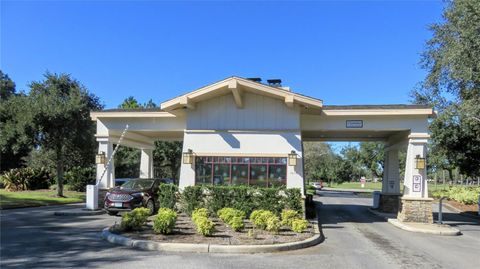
column 415, row 210
column 389, row 203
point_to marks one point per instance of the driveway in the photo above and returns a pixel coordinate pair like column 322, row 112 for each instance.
column 354, row 238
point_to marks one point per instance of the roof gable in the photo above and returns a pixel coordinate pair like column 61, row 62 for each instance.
column 237, row 87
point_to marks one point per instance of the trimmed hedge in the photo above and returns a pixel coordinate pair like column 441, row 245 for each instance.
column 191, row 199
column 167, row 195
column 243, row 198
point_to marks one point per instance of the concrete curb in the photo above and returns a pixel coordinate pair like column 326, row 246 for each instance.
column 441, row 230
column 81, row 212
column 210, row 248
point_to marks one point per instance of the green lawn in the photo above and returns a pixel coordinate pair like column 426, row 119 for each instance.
column 37, row 198
column 378, row 186
column 357, row 185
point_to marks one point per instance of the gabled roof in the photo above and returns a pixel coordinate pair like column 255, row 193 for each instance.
column 237, row 86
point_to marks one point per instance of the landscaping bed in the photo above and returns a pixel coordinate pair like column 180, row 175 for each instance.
column 185, row 232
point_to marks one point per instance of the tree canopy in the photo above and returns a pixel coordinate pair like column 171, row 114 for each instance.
column 452, row 86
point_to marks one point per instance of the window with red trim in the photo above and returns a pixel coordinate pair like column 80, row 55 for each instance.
column 254, row 171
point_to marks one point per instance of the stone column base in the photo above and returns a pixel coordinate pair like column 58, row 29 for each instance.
column 389, row 202
column 415, row 210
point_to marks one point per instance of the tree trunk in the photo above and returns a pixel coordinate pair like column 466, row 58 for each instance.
column 450, row 174
column 59, row 172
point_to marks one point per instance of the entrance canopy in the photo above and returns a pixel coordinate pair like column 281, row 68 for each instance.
column 237, row 117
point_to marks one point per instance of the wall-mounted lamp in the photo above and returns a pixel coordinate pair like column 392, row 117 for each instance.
column 292, row 158
column 188, row 157
column 419, row 162
column 100, row 158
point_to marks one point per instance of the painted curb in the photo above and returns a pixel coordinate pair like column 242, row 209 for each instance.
column 209, row 248
column 403, row 226
column 406, row 227
column 79, row 213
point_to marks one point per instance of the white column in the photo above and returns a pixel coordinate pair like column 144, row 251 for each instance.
column 146, row 163
column 108, row 180
column 415, row 183
column 391, row 173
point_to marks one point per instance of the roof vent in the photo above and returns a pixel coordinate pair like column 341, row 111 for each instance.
column 275, row 82
column 259, row 80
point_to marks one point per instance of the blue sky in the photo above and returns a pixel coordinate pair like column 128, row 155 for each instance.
column 341, row 52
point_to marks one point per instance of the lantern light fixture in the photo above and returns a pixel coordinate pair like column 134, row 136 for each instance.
column 419, row 162
column 188, row 157
column 100, row 158
column 292, row 158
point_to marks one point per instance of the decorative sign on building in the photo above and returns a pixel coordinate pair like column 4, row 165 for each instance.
column 417, row 183
column 354, row 123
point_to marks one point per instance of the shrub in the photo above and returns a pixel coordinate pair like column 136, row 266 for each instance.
column 259, row 218
column 236, row 223
column 299, row 225
column 199, row 213
column 232, row 217
column 192, row 198
column 205, row 226
column 465, row 195
column 135, row 219
column 167, row 195
column 288, row 216
column 244, row 198
column 273, row 224
column 269, row 199
column 21, row 179
column 293, row 199
column 78, row 178
column 227, row 214
column 165, row 220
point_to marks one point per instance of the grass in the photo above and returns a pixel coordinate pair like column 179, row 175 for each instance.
column 357, row 185
column 377, row 186
column 38, row 198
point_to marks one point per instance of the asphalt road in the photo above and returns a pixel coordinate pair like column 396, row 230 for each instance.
column 354, row 238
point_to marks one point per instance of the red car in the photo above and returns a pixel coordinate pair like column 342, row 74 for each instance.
column 139, row 192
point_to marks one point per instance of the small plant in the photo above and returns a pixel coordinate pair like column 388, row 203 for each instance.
column 199, row 213
column 299, row 225
column 165, row 220
column 236, row 223
column 259, row 218
column 288, row 216
column 135, row 219
column 273, row 224
column 205, row 226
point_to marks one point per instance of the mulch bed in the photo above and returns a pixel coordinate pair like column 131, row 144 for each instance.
column 185, row 232
column 467, row 209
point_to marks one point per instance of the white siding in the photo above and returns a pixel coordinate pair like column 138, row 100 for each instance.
column 259, row 113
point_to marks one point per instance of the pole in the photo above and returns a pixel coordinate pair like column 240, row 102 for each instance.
column 440, row 215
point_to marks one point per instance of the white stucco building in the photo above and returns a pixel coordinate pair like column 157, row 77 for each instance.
column 241, row 131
